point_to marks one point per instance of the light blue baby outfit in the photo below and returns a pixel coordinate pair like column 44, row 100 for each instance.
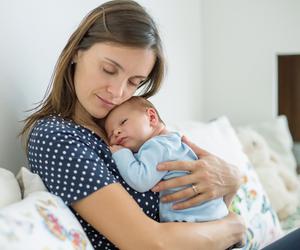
column 139, row 171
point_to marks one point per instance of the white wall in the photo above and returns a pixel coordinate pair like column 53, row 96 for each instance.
column 180, row 23
column 33, row 33
column 241, row 41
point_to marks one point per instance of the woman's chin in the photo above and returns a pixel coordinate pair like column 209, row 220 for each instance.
column 100, row 115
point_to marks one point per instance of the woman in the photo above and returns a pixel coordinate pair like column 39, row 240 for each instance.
column 115, row 51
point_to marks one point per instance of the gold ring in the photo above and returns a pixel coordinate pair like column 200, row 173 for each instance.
column 194, row 187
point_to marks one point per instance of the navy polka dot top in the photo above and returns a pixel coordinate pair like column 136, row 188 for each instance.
column 74, row 162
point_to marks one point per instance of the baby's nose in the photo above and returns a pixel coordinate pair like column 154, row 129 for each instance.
column 117, row 131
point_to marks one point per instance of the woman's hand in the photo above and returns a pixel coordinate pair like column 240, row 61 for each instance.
column 210, row 177
column 238, row 229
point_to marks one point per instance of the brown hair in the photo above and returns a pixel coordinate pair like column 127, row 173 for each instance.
column 142, row 103
column 123, row 22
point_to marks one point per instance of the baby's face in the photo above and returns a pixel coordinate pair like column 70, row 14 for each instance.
column 128, row 127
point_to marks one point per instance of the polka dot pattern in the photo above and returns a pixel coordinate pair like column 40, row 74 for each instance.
column 74, row 162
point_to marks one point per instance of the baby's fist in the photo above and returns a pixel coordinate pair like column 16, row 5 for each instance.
column 115, row 148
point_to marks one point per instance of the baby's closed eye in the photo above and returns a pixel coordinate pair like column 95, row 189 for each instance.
column 123, row 121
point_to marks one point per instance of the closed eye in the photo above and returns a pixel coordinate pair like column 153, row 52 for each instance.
column 123, row 121
column 110, row 72
column 137, row 81
column 134, row 84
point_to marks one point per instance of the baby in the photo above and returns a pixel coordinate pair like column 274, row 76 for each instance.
column 139, row 142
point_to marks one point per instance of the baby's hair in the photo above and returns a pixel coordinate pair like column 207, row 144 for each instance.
column 143, row 104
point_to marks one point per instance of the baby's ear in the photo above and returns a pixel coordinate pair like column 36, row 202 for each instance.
column 153, row 117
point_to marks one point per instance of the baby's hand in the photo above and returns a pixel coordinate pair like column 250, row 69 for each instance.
column 115, row 148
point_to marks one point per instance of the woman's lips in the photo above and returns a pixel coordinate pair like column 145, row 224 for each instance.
column 105, row 102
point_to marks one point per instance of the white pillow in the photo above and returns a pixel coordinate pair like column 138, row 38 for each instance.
column 29, row 182
column 9, row 188
column 41, row 221
column 278, row 136
column 217, row 137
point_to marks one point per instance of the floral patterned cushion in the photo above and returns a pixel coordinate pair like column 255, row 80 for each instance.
column 252, row 203
column 41, row 221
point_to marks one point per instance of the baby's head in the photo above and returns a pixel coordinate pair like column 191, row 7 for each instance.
column 132, row 123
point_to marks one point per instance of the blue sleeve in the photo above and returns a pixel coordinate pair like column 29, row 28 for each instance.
column 139, row 170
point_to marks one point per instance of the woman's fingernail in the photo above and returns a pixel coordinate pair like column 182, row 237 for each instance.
column 155, row 189
column 160, row 167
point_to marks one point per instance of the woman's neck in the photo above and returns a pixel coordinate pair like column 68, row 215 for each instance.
column 83, row 118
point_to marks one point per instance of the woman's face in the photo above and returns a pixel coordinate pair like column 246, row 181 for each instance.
column 108, row 74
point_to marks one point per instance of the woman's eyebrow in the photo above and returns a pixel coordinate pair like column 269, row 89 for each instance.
column 120, row 67
column 115, row 63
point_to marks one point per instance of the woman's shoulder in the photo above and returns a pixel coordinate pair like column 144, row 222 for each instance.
column 57, row 126
column 54, row 123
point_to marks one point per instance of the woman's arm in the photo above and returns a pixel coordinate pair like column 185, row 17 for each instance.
column 212, row 176
column 114, row 213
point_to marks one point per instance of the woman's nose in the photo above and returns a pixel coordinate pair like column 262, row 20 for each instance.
column 117, row 89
